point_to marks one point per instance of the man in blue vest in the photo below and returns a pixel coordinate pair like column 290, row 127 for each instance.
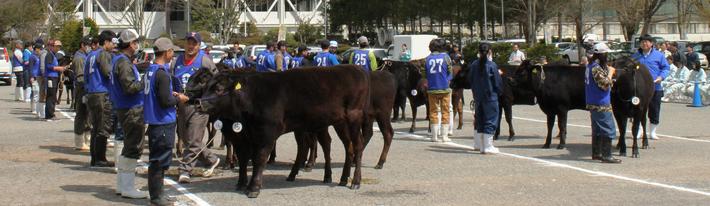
column 26, row 73
column 300, row 60
column 52, row 72
column 325, row 58
column 265, row 61
column 659, row 68
column 282, row 57
column 126, row 93
column 97, row 72
column 438, row 71
column 363, row 57
column 17, row 69
column 35, row 76
column 191, row 122
column 82, row 134
column 159, row 113
column 598, row 82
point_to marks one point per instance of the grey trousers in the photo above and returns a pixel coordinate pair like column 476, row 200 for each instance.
column 191, row 131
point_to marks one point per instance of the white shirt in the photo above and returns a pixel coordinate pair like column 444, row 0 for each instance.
column 18, row 54
column 516, row 56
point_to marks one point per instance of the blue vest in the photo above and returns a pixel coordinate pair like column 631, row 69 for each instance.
column 264, row 61
column 153, row 113
column 296, row 62
column 242, row 62
column 49, row 66
column 15, row 61
column 120, row 99
column 230, row 63
column 184, row 72
column 362, row 57
column 593, row 93
column 94, row 82
column 437, row 71
column 286, row 61
column 34, row 59
column 323, row 59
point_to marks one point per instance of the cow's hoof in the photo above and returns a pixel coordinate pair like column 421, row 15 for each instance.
column 355, row 187
column 411, row 130
column 495, row 137
column 458, row 128
column 343, row 183
column 644, row 147
column 623, row 154
column 636, row 155
column 291, row 178
column 547, row 146
column 307, row 169
column 328, row 180
column 252, row 194
column 560, row 146
column 618, row 146
column 511, row 138
column 271, row 162
column 379, row 166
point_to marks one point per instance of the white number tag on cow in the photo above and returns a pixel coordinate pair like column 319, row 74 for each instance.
column 635, row 100
column 414, row 92
column 218, row 124
column 237, row 127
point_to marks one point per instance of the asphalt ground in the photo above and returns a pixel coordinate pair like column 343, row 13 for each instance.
column 39, row 167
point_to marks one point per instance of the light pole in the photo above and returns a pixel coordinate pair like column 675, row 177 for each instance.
column 485, row 20
column 502, row 20
column 188, row 15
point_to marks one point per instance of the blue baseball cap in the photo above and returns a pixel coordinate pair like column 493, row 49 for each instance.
column 194, row 35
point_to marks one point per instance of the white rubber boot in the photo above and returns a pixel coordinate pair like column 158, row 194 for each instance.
column 40, row 110
column 434, row 132
column 19, row 94
column 79, row 143
column 488, row 147
column 28, row 94
column 445, row 133
column 653, row 132
column 477, row 141
column 117, row 154
column 126, row 179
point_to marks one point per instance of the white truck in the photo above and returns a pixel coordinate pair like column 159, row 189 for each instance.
column 418, row 45
column 5, row 66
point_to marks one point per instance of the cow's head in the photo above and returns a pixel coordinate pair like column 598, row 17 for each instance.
column 529, row 76
column 197, row 82
column 224, row 95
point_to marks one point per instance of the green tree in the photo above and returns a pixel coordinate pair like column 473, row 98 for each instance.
column 70, row 35
column 14, row 16
column 308, row 34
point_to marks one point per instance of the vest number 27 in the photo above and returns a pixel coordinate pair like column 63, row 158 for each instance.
column 435, row 65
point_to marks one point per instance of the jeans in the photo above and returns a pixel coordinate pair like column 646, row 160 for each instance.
column 161, row 139
column 603, row 124
column 654, row 109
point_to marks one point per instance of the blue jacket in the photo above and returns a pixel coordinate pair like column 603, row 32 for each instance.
column 326, row 59
column 656, row 63
column 153, row 112
column 485, row 85
column 265, row 62
column 49, row 66
column 437, row 71
column 94, row 81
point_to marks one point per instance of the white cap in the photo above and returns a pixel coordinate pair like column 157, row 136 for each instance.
column 128, row 35
column 600, row 48
column 333, row 44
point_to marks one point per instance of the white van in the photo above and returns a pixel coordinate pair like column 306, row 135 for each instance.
column 5, row 66
column 418, row 45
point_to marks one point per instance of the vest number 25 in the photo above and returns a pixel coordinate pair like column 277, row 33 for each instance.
column 435, row 65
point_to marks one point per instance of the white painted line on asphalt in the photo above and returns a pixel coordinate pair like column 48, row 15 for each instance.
column 199, row 201
column 561, row 165
column 586, row 126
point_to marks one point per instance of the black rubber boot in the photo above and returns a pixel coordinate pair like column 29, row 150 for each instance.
column 596, row 150
column 155, row 187
column 606, row 151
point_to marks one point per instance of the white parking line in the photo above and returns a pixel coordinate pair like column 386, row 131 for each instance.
column 199, row 201
column 561, row 165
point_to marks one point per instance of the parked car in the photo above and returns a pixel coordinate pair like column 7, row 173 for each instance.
column 380, row 54
column 5, row 66
column 703, row 49
column 253, row 50
column 217, row 55
column 564, row 45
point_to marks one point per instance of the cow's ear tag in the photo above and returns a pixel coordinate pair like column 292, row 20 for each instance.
column 534, row 71
column 637, row 67
column 238, row 86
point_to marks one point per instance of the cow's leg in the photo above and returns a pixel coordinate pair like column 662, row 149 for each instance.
column 312, row 141
column 562, row 125
column 402, row 107
column 357, row 147
column 303, row 143
column 343, row 134
column 387, row 134
column 550, row 125
column 261, row 156
column 644, row 123
column 367, row 131
column 272, row 156
column 244, row 154
column 634, row 130
column 324, row 140
column 414, row 117
column 508, row 109
column 500, row 114
column 211, row 133
column 621, row 122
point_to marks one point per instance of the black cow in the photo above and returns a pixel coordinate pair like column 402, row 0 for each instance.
column 409, row 79
column 558, row 89
column 271, row 104
column 632, row 80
